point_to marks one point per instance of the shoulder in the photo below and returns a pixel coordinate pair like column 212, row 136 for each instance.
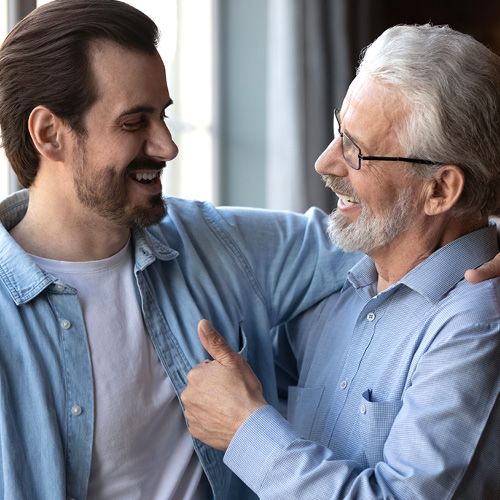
column 473, row 303
column 468, row 316
column 240, row 225
column 179, row 208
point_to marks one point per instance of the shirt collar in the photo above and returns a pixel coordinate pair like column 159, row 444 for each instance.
column 149, row 245
column 442, row 270
column 25, row 280
column 21, row 276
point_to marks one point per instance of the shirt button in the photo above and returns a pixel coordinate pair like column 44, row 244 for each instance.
column 362, row 409
column 343, row 384
column 59, row 287
column 76, row 410
column 66, row 324
column 370, row 316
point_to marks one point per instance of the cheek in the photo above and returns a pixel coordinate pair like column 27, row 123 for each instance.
column 115, row 149
column 375, row 191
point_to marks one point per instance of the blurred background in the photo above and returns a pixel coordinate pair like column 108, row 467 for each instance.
column 255, row 83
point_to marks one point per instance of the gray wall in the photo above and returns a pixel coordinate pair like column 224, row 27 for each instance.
column 242, row 98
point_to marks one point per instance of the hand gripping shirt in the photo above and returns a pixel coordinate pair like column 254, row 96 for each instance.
column 397, row 395
column 245, row 270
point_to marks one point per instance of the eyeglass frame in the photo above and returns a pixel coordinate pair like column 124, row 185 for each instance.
column 361, row 156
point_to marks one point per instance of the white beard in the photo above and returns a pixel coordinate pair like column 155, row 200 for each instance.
column 372, row 231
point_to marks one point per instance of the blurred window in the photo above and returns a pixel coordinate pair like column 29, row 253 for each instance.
column 187, row 46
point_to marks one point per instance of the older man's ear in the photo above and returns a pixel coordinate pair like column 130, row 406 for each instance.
column 442, row 193
column 444, row 190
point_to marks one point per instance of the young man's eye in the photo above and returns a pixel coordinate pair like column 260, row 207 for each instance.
column 135, row 125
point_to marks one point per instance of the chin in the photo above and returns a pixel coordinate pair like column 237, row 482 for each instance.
column 144, row 215
column 154, row 213
column 149, row 219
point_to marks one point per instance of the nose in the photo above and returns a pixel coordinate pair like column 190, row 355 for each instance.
column 331, row 161
column 159, row 144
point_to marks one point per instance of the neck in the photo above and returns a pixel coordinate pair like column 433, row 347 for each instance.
column 412, row 247
column 53, row 229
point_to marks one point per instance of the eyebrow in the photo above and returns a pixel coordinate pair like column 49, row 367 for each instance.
column 143, row 109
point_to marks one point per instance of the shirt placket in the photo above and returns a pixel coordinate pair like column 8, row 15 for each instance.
column 78, row 389
column 363, row 333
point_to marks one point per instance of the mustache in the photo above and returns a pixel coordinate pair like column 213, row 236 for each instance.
column 340, row 185
column 145, row 163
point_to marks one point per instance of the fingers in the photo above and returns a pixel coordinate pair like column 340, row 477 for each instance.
column 214, row 343
column 490, row 269
column 473, row 276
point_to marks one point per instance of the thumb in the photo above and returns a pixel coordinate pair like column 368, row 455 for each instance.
column 214, row 343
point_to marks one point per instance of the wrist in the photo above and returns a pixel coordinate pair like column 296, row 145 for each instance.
column 246, row 412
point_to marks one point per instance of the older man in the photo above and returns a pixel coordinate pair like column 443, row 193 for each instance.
column 398, row 373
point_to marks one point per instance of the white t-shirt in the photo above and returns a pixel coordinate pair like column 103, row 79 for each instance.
column 142, row 449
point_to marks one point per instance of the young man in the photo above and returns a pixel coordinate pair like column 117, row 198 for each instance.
column 396, row 388
column 100, row 289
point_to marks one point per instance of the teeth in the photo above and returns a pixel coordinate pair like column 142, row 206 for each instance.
column 146, row 176
column 346, row 200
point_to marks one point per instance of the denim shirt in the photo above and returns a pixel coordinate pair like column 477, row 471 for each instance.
column 246, row 270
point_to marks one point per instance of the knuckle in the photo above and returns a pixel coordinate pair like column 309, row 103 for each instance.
column 184, row 397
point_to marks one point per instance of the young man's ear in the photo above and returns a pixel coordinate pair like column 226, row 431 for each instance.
column 47, row 133
column 444, row 189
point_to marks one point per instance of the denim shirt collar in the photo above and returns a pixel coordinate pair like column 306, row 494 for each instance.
column 148, row 248
column 441, row 271
column 25, row 280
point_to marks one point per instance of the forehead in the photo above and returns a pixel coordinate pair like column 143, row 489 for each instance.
column 126, row 78
column 373, row 112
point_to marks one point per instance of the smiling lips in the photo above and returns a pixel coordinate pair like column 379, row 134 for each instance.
column 343, row 190
column 147, row 181
column 346, row 202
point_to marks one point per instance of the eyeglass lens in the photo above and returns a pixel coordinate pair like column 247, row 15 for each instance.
column 350, row 151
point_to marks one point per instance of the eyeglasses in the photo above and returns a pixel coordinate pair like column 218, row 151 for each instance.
column 352, row 152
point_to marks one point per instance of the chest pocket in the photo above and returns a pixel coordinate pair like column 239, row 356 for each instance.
column 375, row 423
column 243, row 344
column 303, row 403
column 237, row 342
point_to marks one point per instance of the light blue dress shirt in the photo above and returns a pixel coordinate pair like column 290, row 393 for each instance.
column 397, row 396
column 245, row 270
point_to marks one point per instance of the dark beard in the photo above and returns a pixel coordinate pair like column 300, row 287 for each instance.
column 108, row 198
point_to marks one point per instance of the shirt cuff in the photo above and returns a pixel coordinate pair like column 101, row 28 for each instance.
column 263, row 435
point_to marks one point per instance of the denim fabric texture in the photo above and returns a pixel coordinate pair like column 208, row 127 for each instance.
column 245, row 270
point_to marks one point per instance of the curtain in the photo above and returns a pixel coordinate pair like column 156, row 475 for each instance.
column 16, row 10
column 314, row 47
